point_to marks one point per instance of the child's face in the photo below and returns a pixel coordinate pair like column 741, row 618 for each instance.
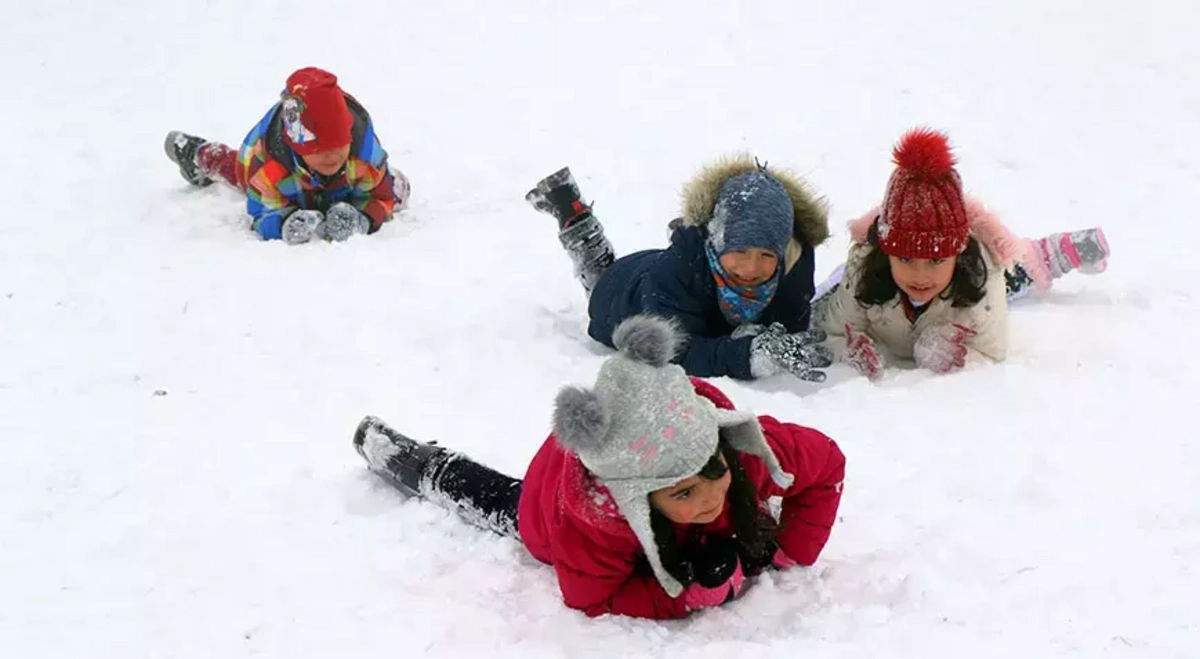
column 922, row 279
column 694, row 500
column 749, row 267
column 329, row 162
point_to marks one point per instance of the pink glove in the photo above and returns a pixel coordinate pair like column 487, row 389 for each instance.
column 861, row 353
column 782, row 561
column 698, row 596
column 940, row 348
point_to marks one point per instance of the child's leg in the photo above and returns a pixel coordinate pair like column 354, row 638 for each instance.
column 482, row 496
column 580, row 233
column 1046, row 259
column 589, row 249
column 200, row 162
column 219, row 161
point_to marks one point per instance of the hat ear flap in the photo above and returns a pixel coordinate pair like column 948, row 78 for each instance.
column 580, row 419
column 744, row 434
column 636, row 510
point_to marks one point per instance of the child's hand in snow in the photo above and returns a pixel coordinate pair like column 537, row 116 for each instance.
column 301, row 226
column 782, row 561
column 342, row 221
column 862, row 353
column 940, row 348
column 799, row 353
column 717, row 575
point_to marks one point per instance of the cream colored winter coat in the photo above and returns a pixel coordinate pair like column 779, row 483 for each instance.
column 887, row 324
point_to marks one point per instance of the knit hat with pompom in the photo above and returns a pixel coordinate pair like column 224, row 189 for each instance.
column 643, row 427
column 924, row 215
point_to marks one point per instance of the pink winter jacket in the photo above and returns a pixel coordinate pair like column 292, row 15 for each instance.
column 568, row 520
column 887, row 324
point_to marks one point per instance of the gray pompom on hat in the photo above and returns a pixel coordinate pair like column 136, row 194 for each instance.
column 643, row 427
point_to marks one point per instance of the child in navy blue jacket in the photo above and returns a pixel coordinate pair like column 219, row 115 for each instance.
column 737, row 277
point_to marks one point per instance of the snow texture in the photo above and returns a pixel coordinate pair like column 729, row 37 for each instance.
column 177, row 398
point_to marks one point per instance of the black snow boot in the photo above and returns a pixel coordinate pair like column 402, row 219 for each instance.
column 399, row 459
column 182, row 149
column 558, row 195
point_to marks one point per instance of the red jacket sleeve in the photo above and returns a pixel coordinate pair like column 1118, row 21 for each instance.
column 810, row 504
column 600, row 575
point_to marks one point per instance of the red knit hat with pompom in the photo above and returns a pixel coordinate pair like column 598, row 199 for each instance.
column 923, row 215
column 315, row 115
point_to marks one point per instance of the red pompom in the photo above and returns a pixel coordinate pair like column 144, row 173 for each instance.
column 924, row 151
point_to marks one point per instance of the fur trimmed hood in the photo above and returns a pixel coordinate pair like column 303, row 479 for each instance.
column 699, row 197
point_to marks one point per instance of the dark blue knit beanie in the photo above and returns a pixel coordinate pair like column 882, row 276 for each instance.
column 752, row 210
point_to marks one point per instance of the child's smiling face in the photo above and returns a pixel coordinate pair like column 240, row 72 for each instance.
column 693, row 500
column 922, row 279
column 749, row 267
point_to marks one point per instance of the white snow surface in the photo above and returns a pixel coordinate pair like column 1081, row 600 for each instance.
column 177, row 398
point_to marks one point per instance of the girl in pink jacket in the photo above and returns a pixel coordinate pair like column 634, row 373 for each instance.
column 931, row 272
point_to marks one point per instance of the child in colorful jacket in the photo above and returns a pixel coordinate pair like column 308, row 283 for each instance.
column 740, row 260
column 311, row 168
column 931, row 272
column 649, row 498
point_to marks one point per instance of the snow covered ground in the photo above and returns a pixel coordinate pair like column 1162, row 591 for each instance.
column 177, row 398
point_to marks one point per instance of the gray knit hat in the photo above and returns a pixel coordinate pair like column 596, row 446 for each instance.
column 643, row 427
column 752, row 210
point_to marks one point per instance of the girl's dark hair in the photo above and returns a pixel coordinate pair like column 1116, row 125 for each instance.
column 754, row 529
column 967, row 286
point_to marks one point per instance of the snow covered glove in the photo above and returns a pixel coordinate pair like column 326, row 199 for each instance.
column 940, row 348
column 716, row 573
column 862, row 354
column 800, row 354
column 342, row 221
column 301, row 226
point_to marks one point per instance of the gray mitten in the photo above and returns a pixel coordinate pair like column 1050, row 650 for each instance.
column 342, row 221
column 800, row 354
column 301, row 226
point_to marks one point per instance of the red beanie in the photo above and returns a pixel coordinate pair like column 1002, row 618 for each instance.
column 315, row 116
column 923, row 214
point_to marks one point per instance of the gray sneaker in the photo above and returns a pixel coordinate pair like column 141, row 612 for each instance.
column 1092, row 248
column 1085, row 250
column 182, row 149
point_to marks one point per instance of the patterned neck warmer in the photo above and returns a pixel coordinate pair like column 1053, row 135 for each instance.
column 740, row 304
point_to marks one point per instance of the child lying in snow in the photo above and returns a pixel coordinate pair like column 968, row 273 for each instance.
column 649, row 497
column 926, row 277
column 311, row 168
column 741, row 253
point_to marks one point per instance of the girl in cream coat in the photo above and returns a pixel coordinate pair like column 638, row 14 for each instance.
column 930, row 273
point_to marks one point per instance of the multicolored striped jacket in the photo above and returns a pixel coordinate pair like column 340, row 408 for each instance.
column 277, row 182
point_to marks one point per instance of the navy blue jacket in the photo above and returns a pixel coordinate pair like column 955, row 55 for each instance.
column 677, row 282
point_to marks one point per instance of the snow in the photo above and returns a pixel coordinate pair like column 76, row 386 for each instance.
column 177, row 399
